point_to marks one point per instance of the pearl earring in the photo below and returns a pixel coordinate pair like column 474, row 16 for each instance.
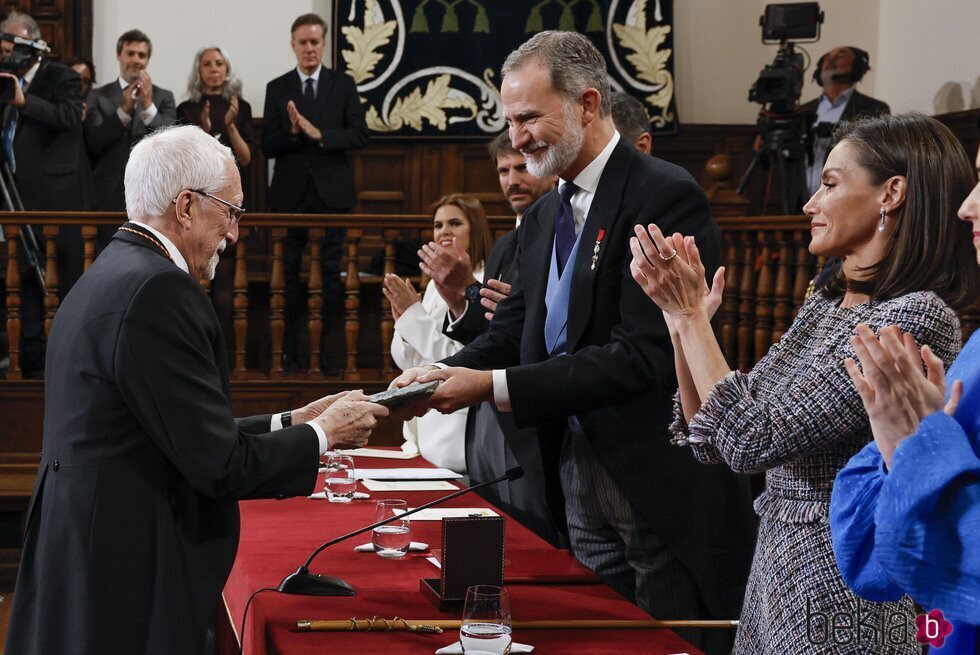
column 881, row 228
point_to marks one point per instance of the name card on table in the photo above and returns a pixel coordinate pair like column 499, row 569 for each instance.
column 472, row 554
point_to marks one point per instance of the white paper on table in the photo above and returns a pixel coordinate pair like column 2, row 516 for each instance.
column 406, row 474
column 440, row 513
column 409, row 485
column 378, row 452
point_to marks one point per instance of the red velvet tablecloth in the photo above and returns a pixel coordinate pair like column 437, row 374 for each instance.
column 278, row 536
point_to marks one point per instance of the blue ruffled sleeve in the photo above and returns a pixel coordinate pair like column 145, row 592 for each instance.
column 928, row 518
column 853, row 503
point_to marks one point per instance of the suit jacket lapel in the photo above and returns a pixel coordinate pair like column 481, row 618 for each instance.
column 323, row 88
column 602, row 216
column 534, row 266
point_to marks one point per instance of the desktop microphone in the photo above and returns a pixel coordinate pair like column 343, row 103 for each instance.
column 304, row 583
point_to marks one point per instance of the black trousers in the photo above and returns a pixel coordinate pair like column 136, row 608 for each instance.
column 331, row 249
column 70, row 263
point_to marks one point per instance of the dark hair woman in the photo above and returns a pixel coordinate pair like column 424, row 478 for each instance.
column 886, row 207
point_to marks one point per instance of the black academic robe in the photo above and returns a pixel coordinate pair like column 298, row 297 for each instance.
column 132, row 528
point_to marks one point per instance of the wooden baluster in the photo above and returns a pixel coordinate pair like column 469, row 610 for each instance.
column 240, row 304
column 50, row 276
column 729, row 307
column 746, row 302
column 387, row 322
column 802, row 275
column 315, row 296
column 764, row 297
column 89, row 233
column 277, row 302
column 12, row 234
column 352, row 301
column 784, row 290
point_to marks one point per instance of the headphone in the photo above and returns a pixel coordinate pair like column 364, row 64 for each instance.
column 862, row 64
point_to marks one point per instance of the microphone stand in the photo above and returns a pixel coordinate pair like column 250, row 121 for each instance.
column 303, row 583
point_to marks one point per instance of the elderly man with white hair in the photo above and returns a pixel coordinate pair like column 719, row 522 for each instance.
column 133, row 525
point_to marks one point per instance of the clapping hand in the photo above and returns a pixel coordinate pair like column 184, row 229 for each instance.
column 492, row 294
column 670, row 272
column 400, row 294
column 145, row 85
column 895, row 392
column 299, row 124
column 231, row 113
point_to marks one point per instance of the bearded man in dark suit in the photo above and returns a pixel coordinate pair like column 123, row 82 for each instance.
column 312, row 117
column 577, row 352
column 133, row 525
column 121, row 113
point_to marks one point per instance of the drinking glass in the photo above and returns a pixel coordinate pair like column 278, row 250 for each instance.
column 392, row 540
column 341, row 482
column 485, row 628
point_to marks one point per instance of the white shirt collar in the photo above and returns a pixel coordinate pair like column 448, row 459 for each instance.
column 315, row 76
column 122, row 85
column 31, row 72
column 841, row 99
column 171, row 248
column 588, row 179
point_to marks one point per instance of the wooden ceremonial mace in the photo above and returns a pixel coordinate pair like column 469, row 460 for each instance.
column 418, row 625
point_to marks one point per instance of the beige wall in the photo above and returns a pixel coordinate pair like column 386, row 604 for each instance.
column 256, row 34
column 930, row 55
column 718, row 53
column 924, row 55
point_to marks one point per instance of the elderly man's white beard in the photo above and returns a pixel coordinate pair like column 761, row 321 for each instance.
column 213, row 263
column 559, row 157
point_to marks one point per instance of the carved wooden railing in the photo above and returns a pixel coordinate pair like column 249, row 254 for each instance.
column 768, row 272
column 269, row 268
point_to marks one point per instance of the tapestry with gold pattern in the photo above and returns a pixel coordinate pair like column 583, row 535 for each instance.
column 431, row 68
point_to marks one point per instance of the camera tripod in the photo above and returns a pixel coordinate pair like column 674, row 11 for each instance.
column 28, row 240
column 787, row 141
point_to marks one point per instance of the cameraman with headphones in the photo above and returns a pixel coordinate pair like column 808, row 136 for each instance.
column 837, row 72
column 43, row 146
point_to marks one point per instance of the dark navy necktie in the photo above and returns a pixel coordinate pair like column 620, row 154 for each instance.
column 309, row 94
column 564, row 225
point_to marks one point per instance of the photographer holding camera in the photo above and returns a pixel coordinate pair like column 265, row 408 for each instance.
column 43, row 148
column 837, row 72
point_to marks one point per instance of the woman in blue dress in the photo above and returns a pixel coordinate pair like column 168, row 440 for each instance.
column 905, row 511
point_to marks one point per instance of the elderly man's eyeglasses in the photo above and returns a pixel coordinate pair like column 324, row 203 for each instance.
column 234, row 211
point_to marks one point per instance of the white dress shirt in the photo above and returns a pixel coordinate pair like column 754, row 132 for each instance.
column 581, row 201
column 178, row 259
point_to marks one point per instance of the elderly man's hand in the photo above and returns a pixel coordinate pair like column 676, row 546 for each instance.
column 350, row 422
column 309, row 412
column 460, row 387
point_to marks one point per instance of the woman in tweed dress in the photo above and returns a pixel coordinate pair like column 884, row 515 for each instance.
column 887, row 209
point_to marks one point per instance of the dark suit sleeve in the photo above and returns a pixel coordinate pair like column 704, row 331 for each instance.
column 276, row 138
column 638, row 355
column 354, row 132
column 470, row 325
column 102, row 125
column 166, row 372
column 166, row 110
column 63, row 112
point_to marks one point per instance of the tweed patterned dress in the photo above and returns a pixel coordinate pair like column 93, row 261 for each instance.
column 798, row 417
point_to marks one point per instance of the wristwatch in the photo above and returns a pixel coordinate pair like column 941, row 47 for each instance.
column 286, row 418
column 473, row 292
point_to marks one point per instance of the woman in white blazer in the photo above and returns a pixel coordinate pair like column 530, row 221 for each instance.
column 459, row 227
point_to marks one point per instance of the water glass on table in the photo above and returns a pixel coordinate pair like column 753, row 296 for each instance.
column 392, row 540
column 340, row 482
column 485, row 628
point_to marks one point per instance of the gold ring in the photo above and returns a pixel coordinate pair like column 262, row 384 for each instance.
column 667, row 259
